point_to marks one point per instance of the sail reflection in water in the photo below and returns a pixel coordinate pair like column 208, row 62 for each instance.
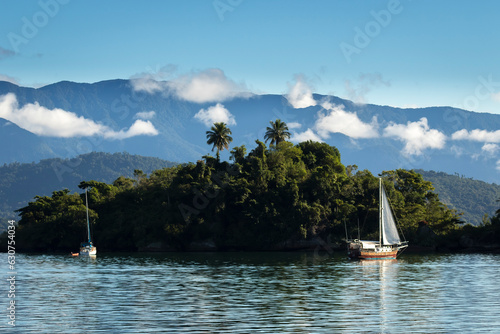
column 255, row 292
column 384, row 275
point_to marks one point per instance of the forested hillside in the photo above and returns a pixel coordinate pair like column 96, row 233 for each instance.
column 357, row 130
column 20, row 183
column 271, row 198
column 474, row 198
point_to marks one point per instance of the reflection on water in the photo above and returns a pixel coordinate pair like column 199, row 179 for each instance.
column 254, row 292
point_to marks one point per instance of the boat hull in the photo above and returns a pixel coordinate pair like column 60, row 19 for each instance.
column 88, row 251
column 373, row 255
column 373, row 251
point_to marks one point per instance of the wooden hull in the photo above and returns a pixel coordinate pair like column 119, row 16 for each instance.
column 374, row 255
column 355, row 250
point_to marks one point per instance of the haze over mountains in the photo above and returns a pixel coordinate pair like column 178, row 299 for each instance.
column 167, row 120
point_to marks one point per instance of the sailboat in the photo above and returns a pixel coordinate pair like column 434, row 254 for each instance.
column 87, row 248
column 389, row 245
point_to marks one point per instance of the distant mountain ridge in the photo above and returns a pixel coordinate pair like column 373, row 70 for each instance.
column 181, row 137
column 20, row 183
column 472, row 197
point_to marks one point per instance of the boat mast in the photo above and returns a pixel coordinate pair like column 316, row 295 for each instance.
column 88, row 224
column 380, row 215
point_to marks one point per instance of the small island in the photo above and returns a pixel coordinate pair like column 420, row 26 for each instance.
column 277, row 197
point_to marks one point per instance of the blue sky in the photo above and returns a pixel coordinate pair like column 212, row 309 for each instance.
column 401, row 53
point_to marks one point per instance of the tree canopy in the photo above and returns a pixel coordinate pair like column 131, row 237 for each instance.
column 270, row 198
column 474, row 198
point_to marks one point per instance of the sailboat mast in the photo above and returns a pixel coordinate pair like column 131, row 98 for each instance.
column 87, row 205
column 380, row 211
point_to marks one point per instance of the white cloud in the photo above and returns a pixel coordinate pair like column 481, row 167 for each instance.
column 305, row 136
column 210, row 85
column 139, row 128
column 214, row 114
column 7, row 78
column 151, row 81
column 477, row 135
column 46, row 122
column 145, row 115
column 148, row 85
column 300, row 94
column 294, row 125
column 337, row 120
column 417, row 136
column 490, row 148
column 457, row 150
column 498, row 165
column 61, row 123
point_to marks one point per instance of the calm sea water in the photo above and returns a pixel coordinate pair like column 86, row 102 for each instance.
column 253, row 293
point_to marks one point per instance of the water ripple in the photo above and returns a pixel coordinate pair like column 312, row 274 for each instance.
column 255, row 293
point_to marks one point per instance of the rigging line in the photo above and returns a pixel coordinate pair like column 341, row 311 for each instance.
column 359, row 232
column 345, row 225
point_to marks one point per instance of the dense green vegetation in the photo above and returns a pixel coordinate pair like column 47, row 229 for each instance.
column 19, row 183
column 474, row 198
column 275, row 197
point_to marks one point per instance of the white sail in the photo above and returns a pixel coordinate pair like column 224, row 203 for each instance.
column 87, row 248
column 390, row 234
column 389, row 244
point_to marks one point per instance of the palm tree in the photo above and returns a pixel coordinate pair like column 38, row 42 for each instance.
column 277, row 132
column 219, row 137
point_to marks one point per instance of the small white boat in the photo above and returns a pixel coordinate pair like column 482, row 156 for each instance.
column 389, row 245
column 87, row 248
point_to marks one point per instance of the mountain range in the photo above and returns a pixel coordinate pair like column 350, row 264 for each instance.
column 21, row 182
column 66, row 119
